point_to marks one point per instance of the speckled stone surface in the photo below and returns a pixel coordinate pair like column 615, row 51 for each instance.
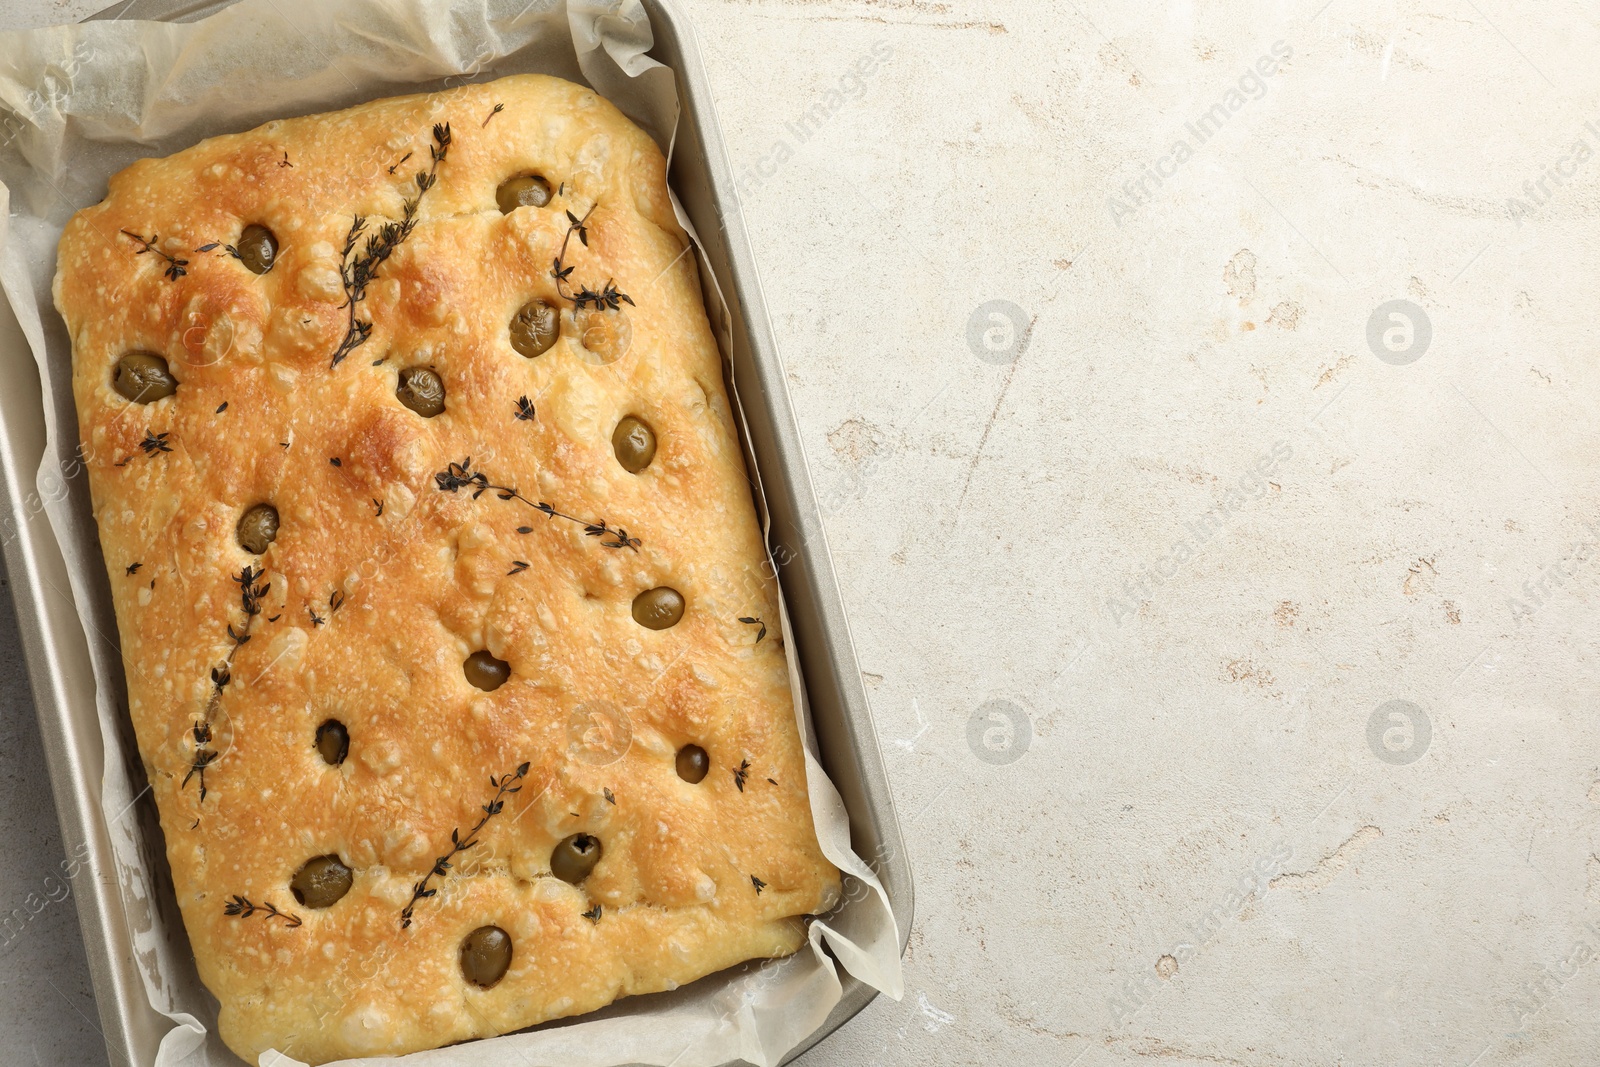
column 1201, row 401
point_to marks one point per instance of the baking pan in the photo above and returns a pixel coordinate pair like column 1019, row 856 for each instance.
column 57, row 651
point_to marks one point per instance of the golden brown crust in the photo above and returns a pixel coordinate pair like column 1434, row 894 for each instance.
column 384, row 578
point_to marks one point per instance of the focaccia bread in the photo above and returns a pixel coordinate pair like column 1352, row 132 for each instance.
column 450, row 640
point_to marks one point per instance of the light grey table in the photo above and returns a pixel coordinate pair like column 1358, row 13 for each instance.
column 1202, row 398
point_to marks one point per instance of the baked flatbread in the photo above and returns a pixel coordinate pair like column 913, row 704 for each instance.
column 437, row 572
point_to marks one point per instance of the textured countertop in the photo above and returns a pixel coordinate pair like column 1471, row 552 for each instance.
column 1196, row 396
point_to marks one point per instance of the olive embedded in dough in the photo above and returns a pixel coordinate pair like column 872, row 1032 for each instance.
column 658, row 608
column 575, row 857
column 693, row 763
column 485, row 956
column 333, row 742
column 258, row 528
column 535, row 328
column 257, row 248
column 322, row 882
column 421, row 390
column 143, row 377
column 529, row 190
column 634, row 443
column 486, row 672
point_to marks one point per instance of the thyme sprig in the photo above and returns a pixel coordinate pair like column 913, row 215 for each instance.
column 175, row 266
column 600, row 529
column 752, row 621
column 251, row 592
column 505, row 785
column 362, row 270
column 492, row 113
column 230, row 250
column 594, row 913
column 461, row 475
column 525, row 410
column 608, row 297
column 203, row 756
column 155, row 442
column 243, row 908
column 740, row 773
column 758, row 883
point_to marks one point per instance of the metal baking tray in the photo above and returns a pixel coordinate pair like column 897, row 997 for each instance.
column 57, row 651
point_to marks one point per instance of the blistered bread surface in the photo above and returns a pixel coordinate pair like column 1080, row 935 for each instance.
column 399, row 554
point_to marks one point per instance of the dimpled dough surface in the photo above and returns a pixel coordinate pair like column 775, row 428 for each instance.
column 384, row 577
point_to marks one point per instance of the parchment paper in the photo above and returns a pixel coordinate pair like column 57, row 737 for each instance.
column 89, row 99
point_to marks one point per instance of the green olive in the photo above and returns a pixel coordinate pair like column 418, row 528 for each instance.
column 143, row 377
column 693, row 763
column 658, row 608
column 530, row 190
column 421, row 390
column 258, row 528
column 486, row 956
column 575, row 857
column 257, row 248
column 322, row 882
column 333, row 742
column 486, row 672
column 535, row 328
column 634, row 442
